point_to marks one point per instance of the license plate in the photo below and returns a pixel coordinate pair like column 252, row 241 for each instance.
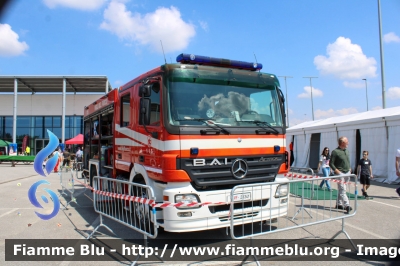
column 242, row 197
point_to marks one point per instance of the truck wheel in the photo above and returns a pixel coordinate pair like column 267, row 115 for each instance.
column 93, row 172
column 83, row 175
column 142, row 212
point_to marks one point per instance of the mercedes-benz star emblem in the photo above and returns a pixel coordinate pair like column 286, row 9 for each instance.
column 239, row 168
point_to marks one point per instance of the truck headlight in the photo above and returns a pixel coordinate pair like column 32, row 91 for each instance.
column 281, row 191
column 187, row 199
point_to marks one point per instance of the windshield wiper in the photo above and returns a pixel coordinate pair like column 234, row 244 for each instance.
column 259, row 123
column 209, row 122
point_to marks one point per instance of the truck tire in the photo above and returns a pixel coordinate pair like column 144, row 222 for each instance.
column 142, row 212
column 93, row 173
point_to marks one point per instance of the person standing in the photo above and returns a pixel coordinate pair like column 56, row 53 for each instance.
column 57, row 166
column 340, row 165
column 364, row 170
column 27, row 150
column 324, row 166
column 66, row 156
column 398, row 169
column 79, row 155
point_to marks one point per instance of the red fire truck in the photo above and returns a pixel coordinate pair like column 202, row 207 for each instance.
column 192, row 131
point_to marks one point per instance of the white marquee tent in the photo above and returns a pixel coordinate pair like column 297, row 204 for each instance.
column 377, row 131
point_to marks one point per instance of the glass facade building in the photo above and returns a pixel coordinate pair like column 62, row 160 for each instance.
column 46, row 102
column 36, row 128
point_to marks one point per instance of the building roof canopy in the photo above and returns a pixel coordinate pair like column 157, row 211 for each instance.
column 54, row 84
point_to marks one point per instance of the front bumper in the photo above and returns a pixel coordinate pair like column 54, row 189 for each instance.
column 262, row 206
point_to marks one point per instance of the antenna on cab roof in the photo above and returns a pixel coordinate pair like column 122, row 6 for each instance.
column 256, row 60
column 163, row 52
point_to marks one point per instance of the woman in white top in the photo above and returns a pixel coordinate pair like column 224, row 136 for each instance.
column 324, row 164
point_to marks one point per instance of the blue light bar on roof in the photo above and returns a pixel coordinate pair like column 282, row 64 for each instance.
column 212, row 61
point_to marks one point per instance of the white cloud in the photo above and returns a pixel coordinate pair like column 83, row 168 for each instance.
column 354, row 85
column 118, row 83
column 376, row 108
column 204, row 25
column 296, row 121
column 307, row 93
column 164, row 24
column 391, row 37
column 345, row 61
column 75, row 4
column 393, row 93
column 9, row 44
column 321, row 114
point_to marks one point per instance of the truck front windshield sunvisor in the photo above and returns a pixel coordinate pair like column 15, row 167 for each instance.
column 209, row 122
column 260, row 123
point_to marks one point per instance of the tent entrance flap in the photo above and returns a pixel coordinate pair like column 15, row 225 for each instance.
column 315, row 150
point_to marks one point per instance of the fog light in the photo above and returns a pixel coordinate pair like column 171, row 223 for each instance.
column 184, row 214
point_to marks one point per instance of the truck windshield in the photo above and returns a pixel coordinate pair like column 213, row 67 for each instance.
column 226, row 105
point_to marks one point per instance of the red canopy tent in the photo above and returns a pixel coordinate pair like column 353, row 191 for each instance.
column 75, row 140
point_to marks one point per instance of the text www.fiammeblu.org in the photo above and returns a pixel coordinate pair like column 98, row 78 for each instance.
column 231, row 250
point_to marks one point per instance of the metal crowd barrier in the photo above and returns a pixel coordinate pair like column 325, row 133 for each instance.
column 304, row 193
column 303, row 196
column 81, row 173
column 78, row 167
column 67, row 181
column 125, row 202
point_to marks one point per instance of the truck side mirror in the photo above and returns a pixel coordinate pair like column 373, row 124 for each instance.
column 145, row 90
column 144, row 112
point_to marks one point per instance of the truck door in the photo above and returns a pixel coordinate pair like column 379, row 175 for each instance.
column 122, row 150
column 151, row 154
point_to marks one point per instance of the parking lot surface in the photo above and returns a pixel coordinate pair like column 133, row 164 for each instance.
column 375, row 219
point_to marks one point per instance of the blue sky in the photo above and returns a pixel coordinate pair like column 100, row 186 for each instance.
column 336, row 41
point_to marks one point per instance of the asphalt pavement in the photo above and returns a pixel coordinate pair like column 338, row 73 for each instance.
column 375, row 219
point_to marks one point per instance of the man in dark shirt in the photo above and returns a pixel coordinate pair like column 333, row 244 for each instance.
column 340, row 165
column 66, row 157
column 364, row 170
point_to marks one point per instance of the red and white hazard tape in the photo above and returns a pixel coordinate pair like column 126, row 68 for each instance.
column 306, row 177
column 300, row 176
column 152, row 203
column 86, row 185
column 338, row 181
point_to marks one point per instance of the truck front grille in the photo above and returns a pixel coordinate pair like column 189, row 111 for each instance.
column 218, row 171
